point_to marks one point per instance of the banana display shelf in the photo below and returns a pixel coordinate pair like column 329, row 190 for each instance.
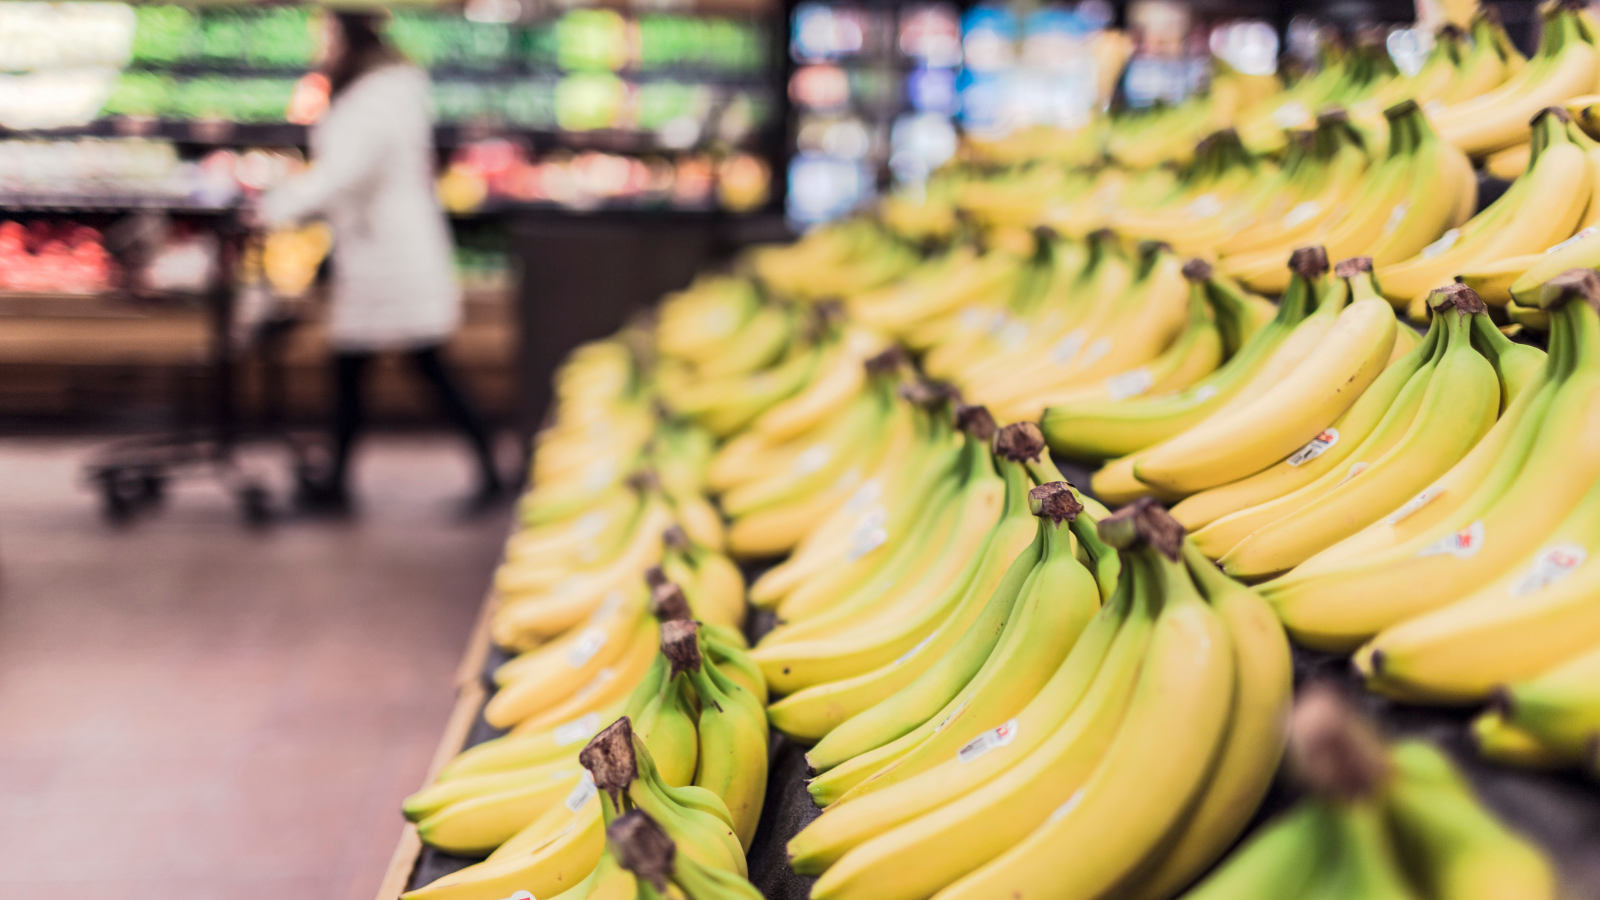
column 1560, row 812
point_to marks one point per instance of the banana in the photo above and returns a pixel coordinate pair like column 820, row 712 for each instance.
column 956, row 521
column 732, row 732
column 1257, row 734
column 1117, row 817
column 791, row 666
column 1100, row 430
column 1560, row 708
column 957, row 699
column 1506, row 631
column 1324, row 452
column 1283, row 417
column 872, row 667
column 1279, row 860
column 562, row 860
column 1460, row 406
column 1521, row 503
column 964, row 835
column 1497, row 119
column 1504, row 742
column 1364, row 861
column 540, row 678
column 1095, row 677
column 1116, row 482
column 641, row 846
column 1524, row 393
column 1542, row 209
column 608, row 685
column 1461, row 851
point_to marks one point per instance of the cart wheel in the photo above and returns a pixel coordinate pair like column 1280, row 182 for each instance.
column 255, row 504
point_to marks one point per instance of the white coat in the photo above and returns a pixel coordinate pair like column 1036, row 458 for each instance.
column 371, row 178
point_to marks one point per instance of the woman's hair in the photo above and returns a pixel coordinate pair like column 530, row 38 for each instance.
column 365, row 49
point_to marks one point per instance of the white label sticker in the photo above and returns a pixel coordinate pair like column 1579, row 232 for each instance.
column 993, row 739
column 522, row 895
column 1290, row 114
column 1129, row 384
column 1067, row 349
column 867, row 494
column 1412, row 505
column 811, row 460
column 1396, row 216
column 576, row 730
column 870, row 533
column 1444, row 243
column 1591, row 230
column 1301, row 213
column 581, row 794
column 1551, row 565
column 589, row 526
column 1354, row 470
column 1097, row 351
column 1464, row 544
column 1314, row 448
column 588, row 643
column 913, row 651
column 1205, row 206
column 1206, row 392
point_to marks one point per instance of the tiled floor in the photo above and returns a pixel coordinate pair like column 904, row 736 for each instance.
column 192, row 710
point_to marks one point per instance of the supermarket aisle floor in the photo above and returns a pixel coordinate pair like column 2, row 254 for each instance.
column 190, row 710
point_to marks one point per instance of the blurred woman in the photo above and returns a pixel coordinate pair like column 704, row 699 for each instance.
column 394, row 286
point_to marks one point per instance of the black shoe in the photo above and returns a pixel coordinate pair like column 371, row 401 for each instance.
column 321, row 498
column 488, row 498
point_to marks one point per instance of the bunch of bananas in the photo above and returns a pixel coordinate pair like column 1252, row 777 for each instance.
column 1034, row 762
column 1380, row 823
column 1565, row 65
column 801, row 459
column 915, row 579
column 696, row 717
column 1290, row 392
column 1551, row 720
column 1421, row 416
column 643, row 848
column 1459, row 588
column 1553, row 199
column 1422, row 188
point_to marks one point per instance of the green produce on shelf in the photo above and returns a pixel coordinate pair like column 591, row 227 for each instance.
column 590, row 100
column 247, row 100
column 530, row 104
column 163, row 34
column 140, row 94
column 280, row 38
column 462, row 101
column 592, row 40
column 661, row 102
column 222, row 37
column 435, row 41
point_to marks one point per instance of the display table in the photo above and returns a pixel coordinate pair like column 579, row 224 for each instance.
column 1560, row 812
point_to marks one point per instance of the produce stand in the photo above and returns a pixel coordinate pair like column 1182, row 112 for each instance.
column 1560, row 812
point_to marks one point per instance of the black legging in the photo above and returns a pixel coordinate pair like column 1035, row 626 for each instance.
column 349, row 369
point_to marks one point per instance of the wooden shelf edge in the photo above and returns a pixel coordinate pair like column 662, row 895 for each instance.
column 470, row 697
